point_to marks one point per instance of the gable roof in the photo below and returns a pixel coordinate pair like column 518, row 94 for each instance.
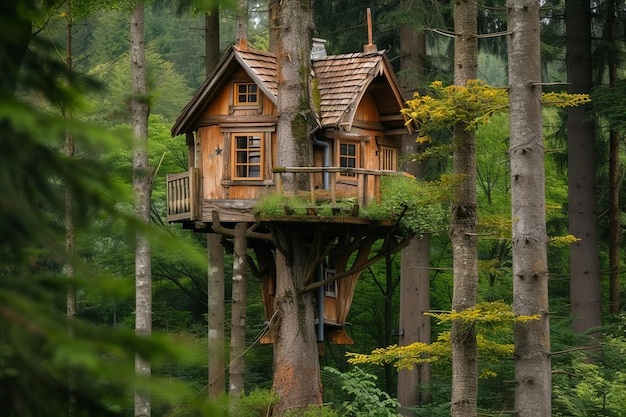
column 342, row 80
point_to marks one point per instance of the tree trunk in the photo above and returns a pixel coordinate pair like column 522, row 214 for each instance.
column 293, row 23
column 585, row 292
column 414, row 325
column 215, row 282
column 241, row 24
column 212, row 39
column 142, row 190
column 530, row 269
column 464, row 223
column 615, row 232
column 414, row 285
column 238, row 312
column 296, row 362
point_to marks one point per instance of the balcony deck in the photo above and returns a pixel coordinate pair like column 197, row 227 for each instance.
column 184, row 202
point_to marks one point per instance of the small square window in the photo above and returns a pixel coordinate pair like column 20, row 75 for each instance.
column 246, row 94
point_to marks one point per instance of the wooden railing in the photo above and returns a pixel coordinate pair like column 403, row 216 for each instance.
column 183, row 196
column 367, row 182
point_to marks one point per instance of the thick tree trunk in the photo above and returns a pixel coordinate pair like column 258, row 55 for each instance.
column 585, row 292
column 296, row 362
column 215, row 282
column 293, row 22
column 464, row 223
column 142, row 189
column 530, row 269
column 238, row 312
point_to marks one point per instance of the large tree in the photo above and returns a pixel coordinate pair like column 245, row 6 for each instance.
column 142, row 187
column 530, row 268
column 464, row 222
column 585, row 294
column 296, row 362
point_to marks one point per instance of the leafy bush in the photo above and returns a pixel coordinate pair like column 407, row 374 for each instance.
column 418, row 206
column 364, row 398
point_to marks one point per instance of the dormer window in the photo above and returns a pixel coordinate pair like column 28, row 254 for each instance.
column 246, row 94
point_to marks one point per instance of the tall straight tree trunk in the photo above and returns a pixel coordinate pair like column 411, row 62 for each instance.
column 530, row 267
column 212, row 39
column 296, row 362
column 142, row 189
column 585, row 292
column 614, row 176
column 215, row 289
column 238, row 312
column 414, row 302
column 242, row 22
column 464, row 223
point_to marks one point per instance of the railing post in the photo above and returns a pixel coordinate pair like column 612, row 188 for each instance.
column 312, row 186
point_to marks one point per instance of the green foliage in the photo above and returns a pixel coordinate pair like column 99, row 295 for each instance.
column 418, row 206
column 591, row 382
column 489, row 320
column 472, row 105
column 257, row 403
column 313, row 411
column 365, row 398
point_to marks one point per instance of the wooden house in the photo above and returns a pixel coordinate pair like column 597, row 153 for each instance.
column 230, row 129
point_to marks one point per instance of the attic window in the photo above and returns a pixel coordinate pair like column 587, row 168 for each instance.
column 246, row 94
column 248, row 156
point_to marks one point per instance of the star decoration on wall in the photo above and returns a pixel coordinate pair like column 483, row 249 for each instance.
column 218, row 151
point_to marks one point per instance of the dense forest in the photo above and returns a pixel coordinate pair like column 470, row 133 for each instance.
column 52, row 366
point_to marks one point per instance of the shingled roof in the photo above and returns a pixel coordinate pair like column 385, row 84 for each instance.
column 342, row 80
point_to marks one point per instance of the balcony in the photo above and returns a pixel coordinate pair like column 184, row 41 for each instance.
column 185, row 202
column 183, row 196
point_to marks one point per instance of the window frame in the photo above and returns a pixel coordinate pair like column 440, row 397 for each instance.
column 356, row 157
column 247, row 94
column 236, row 151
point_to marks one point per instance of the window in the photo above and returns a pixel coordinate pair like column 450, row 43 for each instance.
column 248, row 156
column 246, row 94
column 330, row 289
column 348, row 157
column 388, row 158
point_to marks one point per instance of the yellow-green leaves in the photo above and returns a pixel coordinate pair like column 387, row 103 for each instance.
column 472, row 105
column 489, row 319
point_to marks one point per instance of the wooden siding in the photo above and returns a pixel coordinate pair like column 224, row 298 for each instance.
column 212, row 139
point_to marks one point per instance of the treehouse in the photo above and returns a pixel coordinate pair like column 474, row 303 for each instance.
column 230, row 130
